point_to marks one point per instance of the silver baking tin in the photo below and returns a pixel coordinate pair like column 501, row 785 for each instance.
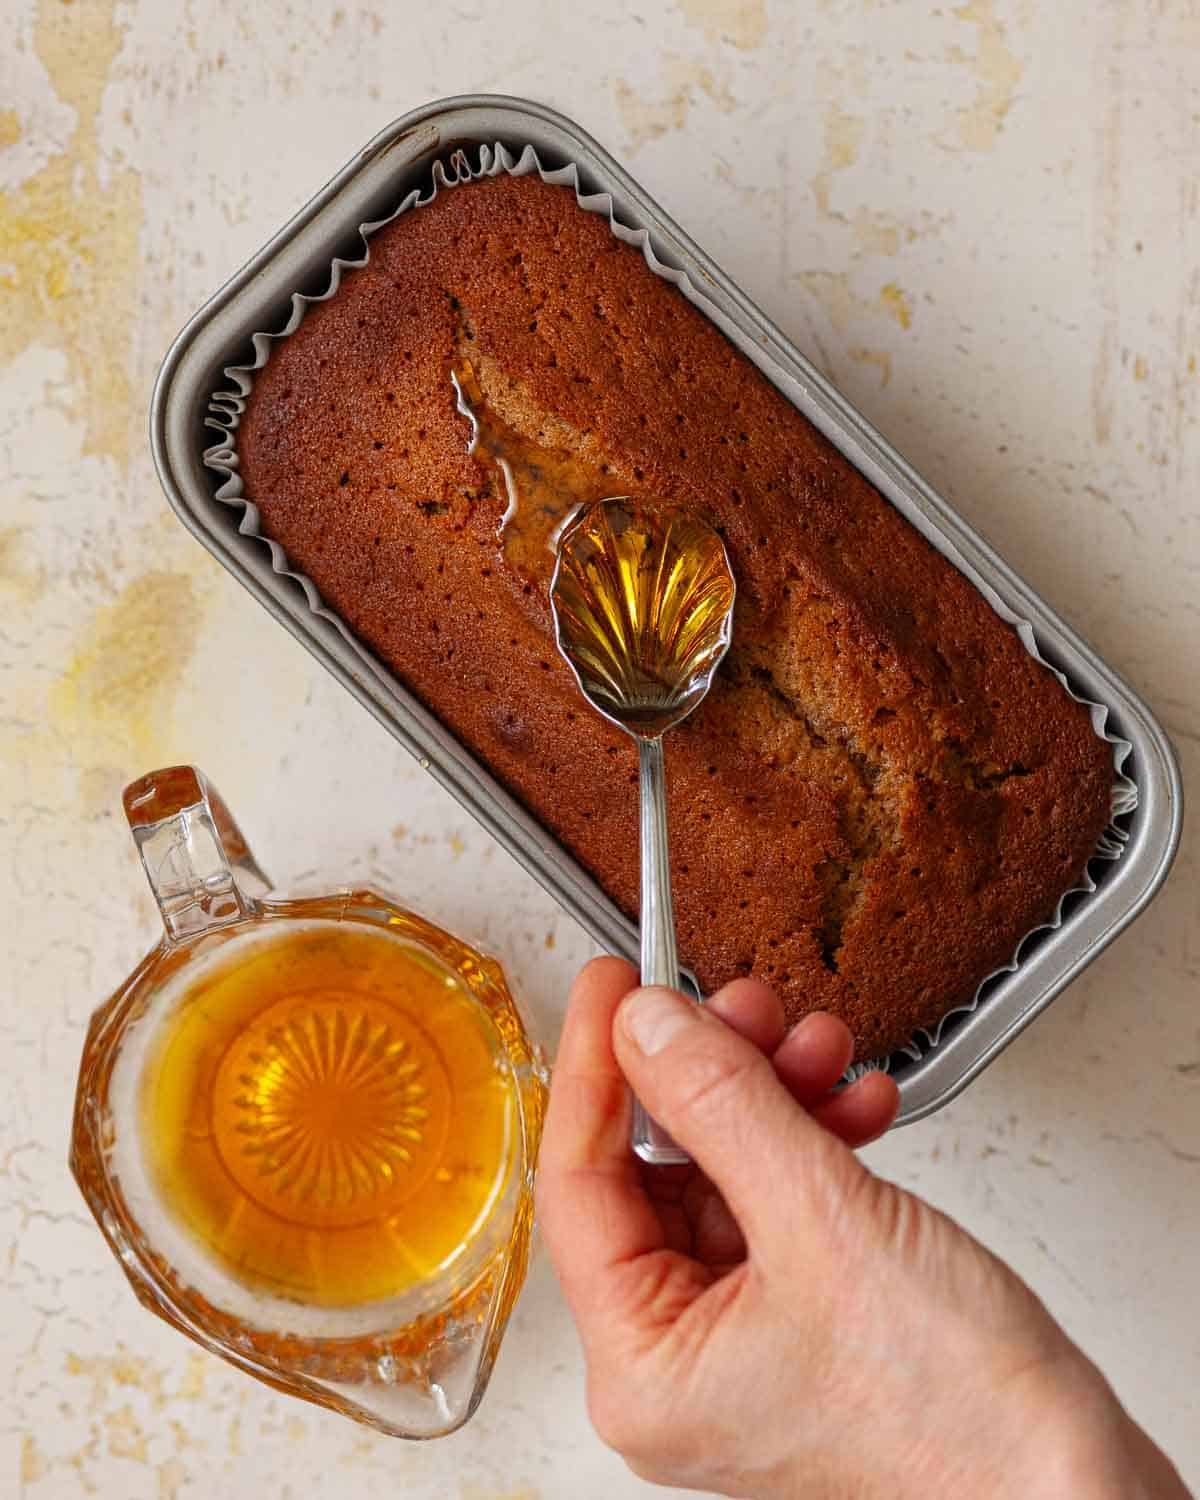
column 298, row 258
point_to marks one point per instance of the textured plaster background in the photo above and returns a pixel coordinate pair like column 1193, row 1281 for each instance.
column 979, row 219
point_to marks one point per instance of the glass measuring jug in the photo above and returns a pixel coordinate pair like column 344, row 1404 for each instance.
column 307, row 1129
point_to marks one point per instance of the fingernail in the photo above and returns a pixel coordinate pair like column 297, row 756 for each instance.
column 651, row 1017
column 805, row 1023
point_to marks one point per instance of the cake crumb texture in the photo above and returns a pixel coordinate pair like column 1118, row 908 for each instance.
column 883, row 791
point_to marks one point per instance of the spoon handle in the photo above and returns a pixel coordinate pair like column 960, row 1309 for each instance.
column 660, row 960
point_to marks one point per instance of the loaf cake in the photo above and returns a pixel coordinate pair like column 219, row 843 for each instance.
column 883, row 792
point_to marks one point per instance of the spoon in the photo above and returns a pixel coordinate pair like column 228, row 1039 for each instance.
column 642, row 596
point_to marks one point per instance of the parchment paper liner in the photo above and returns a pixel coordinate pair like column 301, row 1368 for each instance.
column 227, row 405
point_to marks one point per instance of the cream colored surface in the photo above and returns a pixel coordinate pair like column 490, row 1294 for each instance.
column 980, row 220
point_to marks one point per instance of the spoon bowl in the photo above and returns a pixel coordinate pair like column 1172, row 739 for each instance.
column 642, row 596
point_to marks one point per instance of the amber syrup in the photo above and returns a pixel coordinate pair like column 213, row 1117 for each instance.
column 323, row 1109
column 642, row 594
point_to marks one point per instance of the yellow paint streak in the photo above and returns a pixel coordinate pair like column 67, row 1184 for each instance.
column 125, row 1436
column 843, row 306
column 171, row 1476
column 1140, row 368
column 10, row 128
column 997, row 70
column 647, row 119
column 832, row 291
column 18, row 578
column 741, row 23
column 550, row 940
column 843, row 137
column 119, row 686
column 34, row 1463
column 478, row 1492
column 895, row 304
column 876, row 232
column 1191, row 364
column 69, row 234
column 880, row 358
column 192, row 1385
column 123, row 1370
column 82, row 1458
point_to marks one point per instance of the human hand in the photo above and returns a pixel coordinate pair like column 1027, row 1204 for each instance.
column 776, row 1320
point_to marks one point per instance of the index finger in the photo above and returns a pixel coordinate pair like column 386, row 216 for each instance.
column 593, row 1210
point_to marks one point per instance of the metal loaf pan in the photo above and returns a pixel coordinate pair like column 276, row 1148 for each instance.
column 298, row 258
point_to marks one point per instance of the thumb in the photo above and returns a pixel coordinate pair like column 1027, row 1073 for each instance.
column 719, row 1096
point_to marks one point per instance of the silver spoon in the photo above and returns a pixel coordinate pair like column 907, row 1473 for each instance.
column 642, row 596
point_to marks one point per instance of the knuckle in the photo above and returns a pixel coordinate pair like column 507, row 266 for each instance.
column 718, row 1081
column 853, row 1204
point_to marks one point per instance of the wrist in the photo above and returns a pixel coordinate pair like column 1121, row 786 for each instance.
column 1055, row 1430
column 1079, row 1441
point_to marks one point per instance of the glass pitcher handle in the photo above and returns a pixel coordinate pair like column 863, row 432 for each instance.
column 198, row 864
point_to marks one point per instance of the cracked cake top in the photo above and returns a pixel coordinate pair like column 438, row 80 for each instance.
column 884, row 790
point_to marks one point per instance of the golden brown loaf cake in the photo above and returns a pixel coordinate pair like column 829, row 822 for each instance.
column 884, row 790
